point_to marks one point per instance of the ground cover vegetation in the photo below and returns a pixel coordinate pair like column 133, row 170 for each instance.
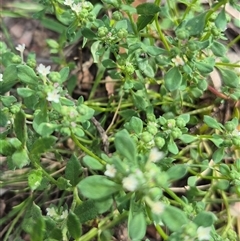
column 152, row 147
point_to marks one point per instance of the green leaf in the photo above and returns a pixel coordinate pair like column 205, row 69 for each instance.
column 153, row 50
column 213, row 123
column 38, row 229
column 206, row 66
column 104, row 204
column 108, row 63
column 27, row 75
column 46, row 129
column 34, row 179
column 94, row 48
column 148, row 9
column 229, row 78
column 218, row 49
column 92, row 163
column 140, row 99
column 174, row 218
column 218, row 155
column 97, row 187
column 217, row 140
column 192, row 181
column 205, row 219
column 63, row 183
column 148, row 71
column 187, row 138
column 9, row 79
column 86, row 113
column 6, row 57
column 143, row 21
column 173, row 79
column 20, row 127
column 78, row 131
column 20, row 158
column 73, row 170
column 40, row 116
column 42, row 145
column 121, row 24
column 222, row 184
column 196, row 24
column 172, row 147
column 15, row 142
column 64, row 72
column 6, row 148
column 3, row 119
column 86, row 211
column 74, row 225
column 136, row 125
column 136, row 222
column 67, row 102
column 88, row 33
column 185, row 117
column 8, row 100
column 177, row 172
column 25, row 92
column 125, row 145
column 221, row 20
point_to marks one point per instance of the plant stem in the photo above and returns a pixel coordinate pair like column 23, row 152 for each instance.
column 86, row 150
column 94, row 231
column 174, row 196
column 161, row 35
column 161, row 232
column 15, row 220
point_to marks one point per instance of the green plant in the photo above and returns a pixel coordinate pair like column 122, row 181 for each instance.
column 125, row 169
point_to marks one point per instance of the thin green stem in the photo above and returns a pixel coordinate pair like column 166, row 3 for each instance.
column 201, row 110
column 215, row 8
column 175, row 197
column 86, row 150
column 133, row 24
column 94, row 231
column 188, row 9
column 229, row 224
column 235, row 40
column 97, row 81
column 161, row 35
column 15, row 220
column 161, row 232
column 228, row 64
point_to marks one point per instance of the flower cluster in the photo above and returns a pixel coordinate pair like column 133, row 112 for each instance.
column 51, row 212
column 148, row 182
column 82, row 9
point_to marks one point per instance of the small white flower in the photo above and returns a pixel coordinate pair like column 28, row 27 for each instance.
column 204, row 233
column 68, row 2
column 178, row 61
column 51, row 212
column 73, row 114
column 155, row 155
column 236, row 132
column 53, row 96
column 64, row 214
column 1, row 77
column 157, row 208
column 73, row 124
column 110, row 171
column 130, row 183
column 43, row 70
column 77, row 7
column 20, row 48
